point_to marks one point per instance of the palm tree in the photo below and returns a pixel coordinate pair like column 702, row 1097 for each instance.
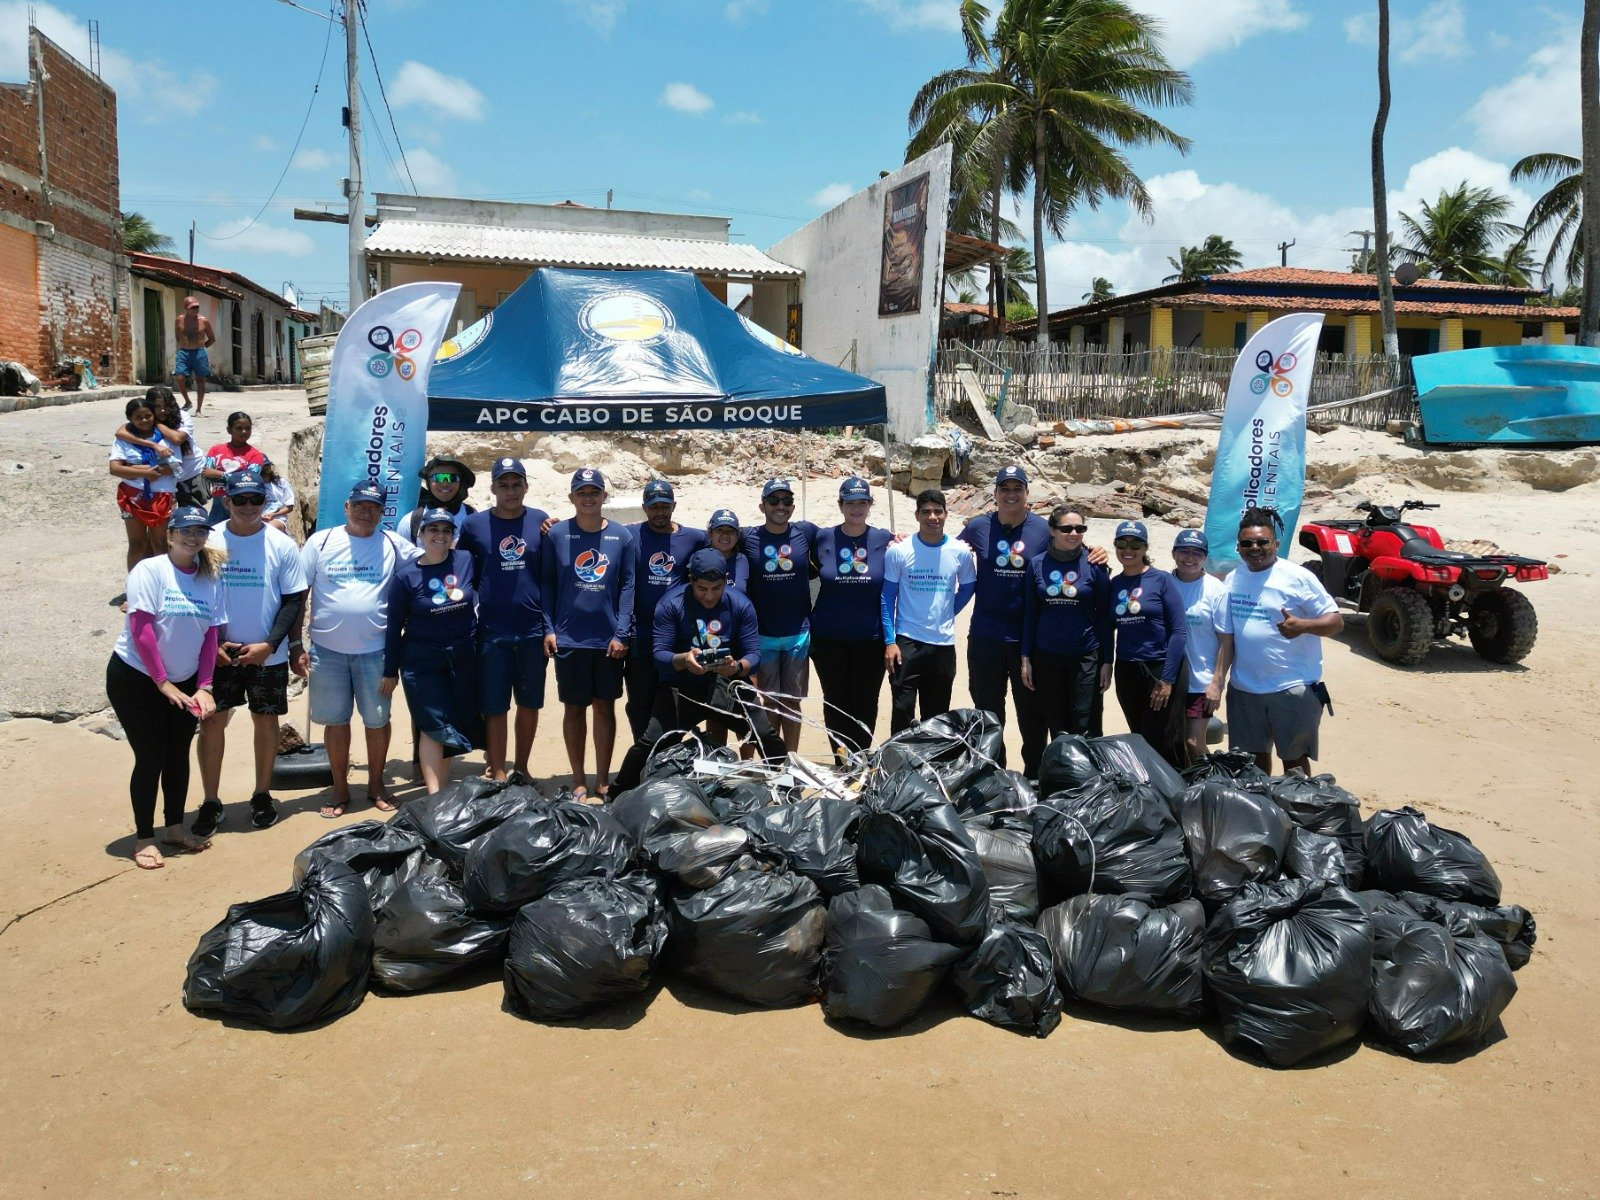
column 1558, row 213
column 1457, row 235
column 1380, row 195
column 1100, row 290
column 1018, row 268
column 1514, row 267
column 139, row 236
column 1211, row 257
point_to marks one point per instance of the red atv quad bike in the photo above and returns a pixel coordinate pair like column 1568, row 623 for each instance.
column 1415, row 591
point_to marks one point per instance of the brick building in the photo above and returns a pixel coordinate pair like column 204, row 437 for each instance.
column 63, row 277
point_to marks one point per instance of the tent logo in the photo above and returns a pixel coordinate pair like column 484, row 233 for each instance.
column 625, row 317
column 1274, row 374
column 467, row 339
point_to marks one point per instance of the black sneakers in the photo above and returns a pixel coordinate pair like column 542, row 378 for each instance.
column 263, row 811
column 209, row 819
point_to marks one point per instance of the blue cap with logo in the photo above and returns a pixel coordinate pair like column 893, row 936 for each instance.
column 244, row 482
column 436, row 516
column 189, row 517
column 1011, row 473
column 587, row 477
column 773, row 486
column 1191, row 539
column 707, row 564
column 1132, row 529
column 367, row 492
column 658, row 491
column 723, row 518
column 507, row 466
column 855, row 488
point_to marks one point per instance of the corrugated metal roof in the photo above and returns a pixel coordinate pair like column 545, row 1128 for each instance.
column 564, row 248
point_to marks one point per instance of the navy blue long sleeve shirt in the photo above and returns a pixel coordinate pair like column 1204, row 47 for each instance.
column 506, row 557
column 1066, row 608
column 434, row 605
column 1151, row 623
column 683, row 623
column 850, row 569
column 1003, row 555
column 780, row 577
column 587, row 585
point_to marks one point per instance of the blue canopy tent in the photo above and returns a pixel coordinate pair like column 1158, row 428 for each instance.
column 632, row 350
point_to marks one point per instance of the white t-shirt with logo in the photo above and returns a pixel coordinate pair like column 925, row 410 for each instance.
column 1203, row 601
column 262, row 568
column 1264, row 661
column 127, row 452
column 349, row 582
column 184, row 606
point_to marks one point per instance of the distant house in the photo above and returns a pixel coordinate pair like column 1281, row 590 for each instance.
column 1220, row 312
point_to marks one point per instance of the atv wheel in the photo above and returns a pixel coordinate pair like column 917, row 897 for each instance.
column 1400, row 626
column 1502, row 625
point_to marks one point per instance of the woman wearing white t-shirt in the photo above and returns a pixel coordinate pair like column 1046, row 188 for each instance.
column 148, row 486
column 159, row 677
column 280, row 497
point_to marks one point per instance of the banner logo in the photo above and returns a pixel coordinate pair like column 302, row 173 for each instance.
column 1063, row 585
column 1010, row 554
column 853, row 559
column 1275, row 374
column 778, row 558
column 1130, row 603
column 591, row 566
column 381, row 364
column 446, row 589
column 626, row 317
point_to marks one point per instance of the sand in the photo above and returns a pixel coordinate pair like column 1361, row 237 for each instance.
column 108, row 1087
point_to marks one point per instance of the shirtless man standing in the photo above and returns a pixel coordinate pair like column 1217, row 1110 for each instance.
column 194, row 335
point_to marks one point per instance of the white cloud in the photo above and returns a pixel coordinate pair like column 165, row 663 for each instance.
column 699, row 194
column 1438, row 31
column 745, row 116
column 434, row 176
column 917, row 14
column 311, row 159
column 234, row 238
column 263, row 143
column 737, row 10
column 1191, row 31
column 600, row 15
column 687, row 98
column 1538, row 109
column 833, row 194
column 448, row 95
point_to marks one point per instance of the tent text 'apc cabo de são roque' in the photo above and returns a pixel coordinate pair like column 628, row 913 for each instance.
column 633, row 350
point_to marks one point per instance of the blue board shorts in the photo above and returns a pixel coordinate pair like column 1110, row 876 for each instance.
column 193, row 362
column 511, row 665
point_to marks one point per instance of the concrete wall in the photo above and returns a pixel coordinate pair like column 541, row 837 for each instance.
column 277, row 362
column 453, row 210
column 841, row 254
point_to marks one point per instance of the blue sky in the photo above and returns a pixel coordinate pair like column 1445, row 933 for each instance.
column 769, row 111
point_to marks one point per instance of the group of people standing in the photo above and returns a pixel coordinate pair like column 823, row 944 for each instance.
column 465, row 611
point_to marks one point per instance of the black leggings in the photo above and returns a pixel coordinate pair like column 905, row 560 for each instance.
column 992, row 668
column 1161, row 727
column 1066, row 688
column 851, row 674
column 159, row 733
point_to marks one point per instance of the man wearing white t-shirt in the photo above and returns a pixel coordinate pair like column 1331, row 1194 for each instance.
column 1275, row 613
column 348, row 570
column 263, row 593
column 927, row 581
column 1204, row 597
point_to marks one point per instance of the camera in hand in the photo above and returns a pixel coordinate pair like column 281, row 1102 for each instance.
column 715, row 656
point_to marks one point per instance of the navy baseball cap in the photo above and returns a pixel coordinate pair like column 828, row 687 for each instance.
column 243, row 483
column 776, row 485
column 189, row 517
column 507, row 466
column 436, row 516
column 1191, row 539
column 587, row 477
column 1011, row 473
column 723, row 518
column 1132, row 529
column 707, row 564
column 855, row 488
column 367, row 493
column 658, row 491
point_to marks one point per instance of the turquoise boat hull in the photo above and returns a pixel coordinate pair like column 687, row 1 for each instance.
column 1510, row 396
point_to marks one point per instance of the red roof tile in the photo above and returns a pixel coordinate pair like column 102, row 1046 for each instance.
column 1292, row 276
column 1415, row 308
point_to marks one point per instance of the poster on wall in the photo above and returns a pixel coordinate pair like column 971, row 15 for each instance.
column 905, row 228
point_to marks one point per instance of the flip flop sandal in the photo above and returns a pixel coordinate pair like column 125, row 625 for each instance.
column 338, row 811
column 383, row 804
column 184, row 847
column 139, row 860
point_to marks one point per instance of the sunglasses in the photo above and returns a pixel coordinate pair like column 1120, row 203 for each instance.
column 444, row 477
column 1070, row 528
column 1254, row 543
column 781, row 501
column 248, row 501
column 1129, row 545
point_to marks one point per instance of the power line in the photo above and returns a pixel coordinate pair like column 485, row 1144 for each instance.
column 382, row 141
column 371, row 54
column 293, row 150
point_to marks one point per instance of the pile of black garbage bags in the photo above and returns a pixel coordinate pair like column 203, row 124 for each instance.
column 1265, row 904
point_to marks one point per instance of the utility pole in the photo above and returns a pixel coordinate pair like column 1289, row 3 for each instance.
column 1283, row 252
column 352, row 185
column 191, row 243
column 1366, row 236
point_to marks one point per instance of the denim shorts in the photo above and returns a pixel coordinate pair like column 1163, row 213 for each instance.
column 510, row 665
column 342, row 682
column 194, row 362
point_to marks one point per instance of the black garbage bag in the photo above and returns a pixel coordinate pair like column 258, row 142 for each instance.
column 384, row 857
column 1320, row 805
column 1407, row 854
column 1009, row 979
column 452, row 820
column 1390, row 917
column 1005, row 849
column 952, row 748
column 1289, row 965
column 1432, row 988
column 1128, row 756
column 529, row 854
column 661, row 808
column 1314, row 856
column 1123, row 952
column 289, row 960
column 704, row 857
column 914, row 844
column 756, row 936
column 730, row 798
column 879, row 964
column 992, row 793
column 1067, row 765
column 1225, row 764
column 586, row 944
column 1509, row 924
column 1120, row 830
column 1234, row 837
column 815, row 837
column 426, row 934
